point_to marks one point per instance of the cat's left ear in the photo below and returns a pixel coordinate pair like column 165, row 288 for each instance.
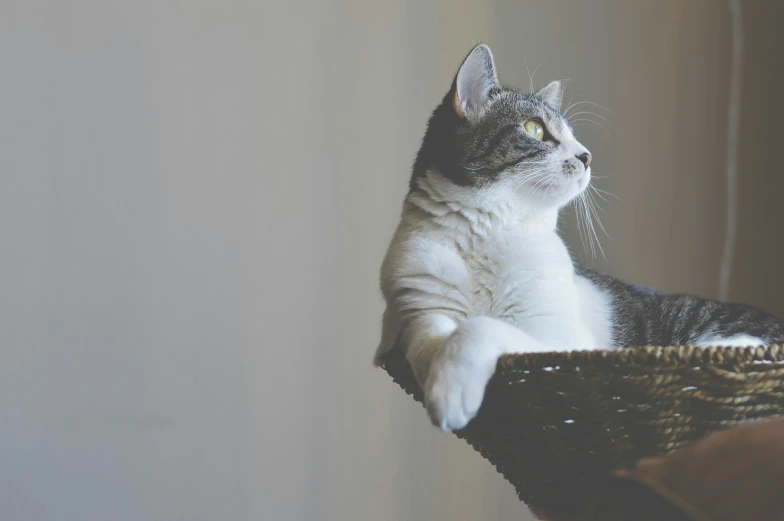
column 552, row 94
column 473, row 83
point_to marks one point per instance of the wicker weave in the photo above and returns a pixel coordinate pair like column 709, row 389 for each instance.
column 556, row 424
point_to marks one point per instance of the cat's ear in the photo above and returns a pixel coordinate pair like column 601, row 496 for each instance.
column 552, row 94
column 473, row 83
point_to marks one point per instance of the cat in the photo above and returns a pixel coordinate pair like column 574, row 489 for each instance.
column 476, row 268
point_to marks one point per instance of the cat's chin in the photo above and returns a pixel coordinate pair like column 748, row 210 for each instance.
column 584, row 181
column 560, row 193
column 580, row 183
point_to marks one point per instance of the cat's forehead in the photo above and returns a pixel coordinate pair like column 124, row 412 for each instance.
column 511, row 105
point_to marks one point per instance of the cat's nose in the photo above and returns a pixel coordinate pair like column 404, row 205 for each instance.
column 585, row 159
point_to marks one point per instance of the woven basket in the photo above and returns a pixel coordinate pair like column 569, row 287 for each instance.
column 557, row 424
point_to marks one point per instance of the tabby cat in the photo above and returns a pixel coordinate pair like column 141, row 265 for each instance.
column 477, row 269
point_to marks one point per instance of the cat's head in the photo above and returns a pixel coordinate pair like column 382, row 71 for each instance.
column 486, row 135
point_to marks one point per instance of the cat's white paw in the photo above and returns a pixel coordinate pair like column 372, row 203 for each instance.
column 453, row 394
column 456, row 383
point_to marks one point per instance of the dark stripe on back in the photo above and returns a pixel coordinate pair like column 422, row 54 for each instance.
column 642, row 318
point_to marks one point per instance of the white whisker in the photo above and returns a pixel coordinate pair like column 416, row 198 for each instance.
column 600, row 192
column 588, row 102
column 594, row 114
column 595, row 123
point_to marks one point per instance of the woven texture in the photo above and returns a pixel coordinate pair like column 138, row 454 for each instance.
column 556, row 424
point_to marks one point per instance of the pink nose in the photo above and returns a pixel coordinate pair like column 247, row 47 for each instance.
column 585, row 158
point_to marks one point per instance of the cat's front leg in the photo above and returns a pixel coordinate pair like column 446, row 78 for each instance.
column 461, row 368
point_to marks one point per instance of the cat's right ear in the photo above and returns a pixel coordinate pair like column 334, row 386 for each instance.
column 473, row 83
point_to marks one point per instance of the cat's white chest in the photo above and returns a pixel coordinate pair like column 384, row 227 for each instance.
column 528, row 281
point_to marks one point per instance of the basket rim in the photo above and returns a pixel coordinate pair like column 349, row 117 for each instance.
column 647, row 356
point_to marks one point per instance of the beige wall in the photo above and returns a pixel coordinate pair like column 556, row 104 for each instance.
column 758, row 271
column 195, row 198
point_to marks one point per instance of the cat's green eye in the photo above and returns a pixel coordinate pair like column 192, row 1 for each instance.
column 535, row 129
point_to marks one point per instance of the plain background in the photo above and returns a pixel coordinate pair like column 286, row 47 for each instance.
column 195, row 198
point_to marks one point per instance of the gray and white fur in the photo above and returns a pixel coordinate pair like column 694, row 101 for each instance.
column 476, row 268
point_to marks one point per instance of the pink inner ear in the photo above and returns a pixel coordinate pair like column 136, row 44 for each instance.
column 457, row 105
column 474, row 81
